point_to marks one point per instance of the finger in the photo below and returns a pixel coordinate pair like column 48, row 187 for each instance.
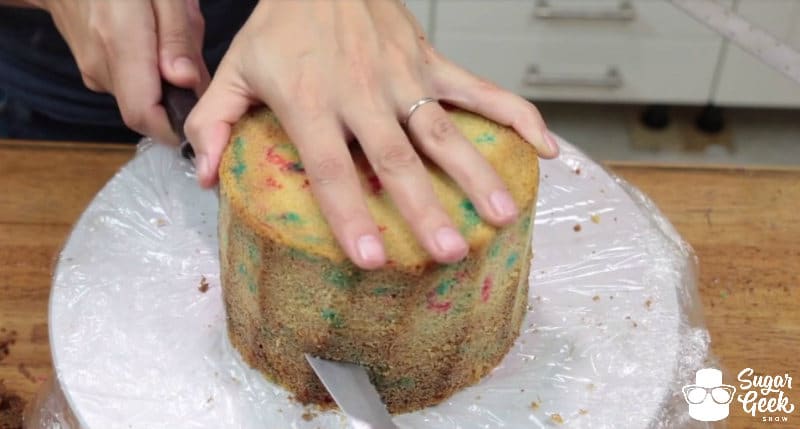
column 209, row 124
column 402, row 173
column 461, row 88
column 435, row 133
column 133, row 67
column 336, row 187
column 180, row 29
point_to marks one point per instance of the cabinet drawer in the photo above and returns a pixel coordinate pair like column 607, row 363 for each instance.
column 600, row 18
column 745, row 80
column 671, row 71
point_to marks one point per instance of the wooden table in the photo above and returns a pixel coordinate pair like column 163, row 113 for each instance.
column 744, row 224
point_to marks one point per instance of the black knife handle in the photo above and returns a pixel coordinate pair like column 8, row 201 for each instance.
column 178, row 102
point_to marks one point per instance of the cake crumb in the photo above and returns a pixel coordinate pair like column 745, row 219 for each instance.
column 596, row 218
column 478, row 398
column 203, row 288
column 583, row 412
column 577, row 171
column 535, row 405
column 648, row 303
column 556, row 418
column 308, row 416
column 161, row 222
column 577, row 227
column 596, row 298
column 590, row 386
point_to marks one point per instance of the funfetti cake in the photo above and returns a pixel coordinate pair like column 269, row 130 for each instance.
column 422, row 329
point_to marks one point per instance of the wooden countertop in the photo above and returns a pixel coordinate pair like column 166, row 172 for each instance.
column 744, row 224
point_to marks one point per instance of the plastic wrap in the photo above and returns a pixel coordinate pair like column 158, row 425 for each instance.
column 137, row 323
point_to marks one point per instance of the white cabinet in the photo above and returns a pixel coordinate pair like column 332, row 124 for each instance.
column 746, row 81
column 596, row 50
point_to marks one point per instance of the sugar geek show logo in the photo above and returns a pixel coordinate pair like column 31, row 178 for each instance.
column 764, row 397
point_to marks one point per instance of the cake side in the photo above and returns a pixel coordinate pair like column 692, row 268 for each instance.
column 422, row 337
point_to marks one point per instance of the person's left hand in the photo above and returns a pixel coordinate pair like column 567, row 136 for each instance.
column 333, row 70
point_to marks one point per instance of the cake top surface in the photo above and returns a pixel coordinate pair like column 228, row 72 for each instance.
column 264, row 182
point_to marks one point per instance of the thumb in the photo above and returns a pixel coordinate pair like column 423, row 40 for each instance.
column 209, row 124
column 180, row 37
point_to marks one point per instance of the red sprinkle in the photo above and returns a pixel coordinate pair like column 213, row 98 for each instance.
column 306, row 184
column 272, row 183
column 381, row 228
column 486, row 289
column 438, row 306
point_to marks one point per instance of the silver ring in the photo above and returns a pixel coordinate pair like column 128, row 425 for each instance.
column 421, row 102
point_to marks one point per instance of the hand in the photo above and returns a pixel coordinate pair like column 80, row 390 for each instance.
column 124, row 47
column 335, row 70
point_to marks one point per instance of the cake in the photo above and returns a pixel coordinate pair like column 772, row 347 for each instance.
column 423, row 330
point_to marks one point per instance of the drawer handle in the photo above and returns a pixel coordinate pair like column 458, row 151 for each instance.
column 611, row 79
column 624, row 11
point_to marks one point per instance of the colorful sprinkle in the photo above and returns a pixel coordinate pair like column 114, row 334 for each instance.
column 299, row 254
column 382, row 228
column 277, row 159
column 342, row 279
column 486, row 288
column 438, row 306
column 380, row 290
column 485, row 138
column 494, row 250
column 239, row 166
column 333, row 318
column 272, row 183
column 512, row 259
column 445, row 286
column 471, row 217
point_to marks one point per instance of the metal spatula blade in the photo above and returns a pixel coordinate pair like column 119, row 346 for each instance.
column 350, row 387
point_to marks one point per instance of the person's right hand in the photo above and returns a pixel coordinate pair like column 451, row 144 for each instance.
column 124, row 47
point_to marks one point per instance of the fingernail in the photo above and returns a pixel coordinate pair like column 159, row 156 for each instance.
column 502, row 204
column 449, row 240
column 551, row 141
column 201, row 165
column 369, row 249
column 183, row 66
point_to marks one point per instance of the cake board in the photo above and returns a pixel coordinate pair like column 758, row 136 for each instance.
column 137, row 322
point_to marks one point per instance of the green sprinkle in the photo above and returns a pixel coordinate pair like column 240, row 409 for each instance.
column 445, row 286
column 512, row 258
column 251, row 285
column 242, row 269
column 333, row 318
column 525, row 225
column 239, row 167
column 299, row 254
column 313, row 239
column 485, row 138
column 342, row 278
column 292, row 217
column 252, row 252
column 471, row 217
column 406, row 383
column 380, row 290
column 495, row 249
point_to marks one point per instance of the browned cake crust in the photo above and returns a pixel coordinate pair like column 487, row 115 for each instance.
column 423, row 334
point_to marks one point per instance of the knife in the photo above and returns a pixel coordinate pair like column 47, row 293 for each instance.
column 178, row 102
column 347, row 383
column 350, row 387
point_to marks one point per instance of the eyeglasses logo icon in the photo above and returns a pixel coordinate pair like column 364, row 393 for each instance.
column 709, row 400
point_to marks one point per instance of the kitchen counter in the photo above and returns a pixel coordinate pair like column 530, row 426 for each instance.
column 744, row 224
